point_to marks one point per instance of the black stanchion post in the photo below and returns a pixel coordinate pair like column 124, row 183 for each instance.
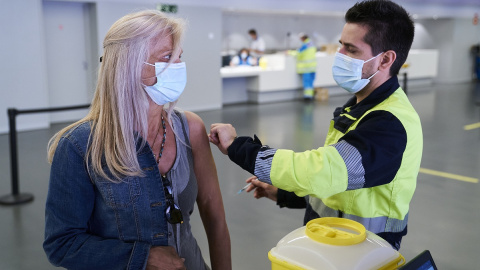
column 405, row 81
column 16, row 197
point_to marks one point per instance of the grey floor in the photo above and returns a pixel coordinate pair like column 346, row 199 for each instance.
column 444, row 215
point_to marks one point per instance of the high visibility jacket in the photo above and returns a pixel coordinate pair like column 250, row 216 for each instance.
column 367, row 169
column 384, row 206
column 306, row 60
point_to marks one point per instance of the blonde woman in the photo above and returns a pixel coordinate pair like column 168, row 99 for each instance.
column 124, row 179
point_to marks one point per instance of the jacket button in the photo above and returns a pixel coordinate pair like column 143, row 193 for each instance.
column 159, row 235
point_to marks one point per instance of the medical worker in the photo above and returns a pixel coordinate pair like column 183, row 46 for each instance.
column 306, row 65
column 367, row 169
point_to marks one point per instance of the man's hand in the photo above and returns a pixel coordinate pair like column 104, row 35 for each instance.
column 164, row 257
column 222, row 135
column 262, row 189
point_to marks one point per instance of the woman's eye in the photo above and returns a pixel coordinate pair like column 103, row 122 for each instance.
column 167, row 56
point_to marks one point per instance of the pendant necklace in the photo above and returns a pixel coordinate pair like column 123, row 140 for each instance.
column 157, row 158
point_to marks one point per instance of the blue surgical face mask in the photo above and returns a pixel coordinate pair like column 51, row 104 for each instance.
column 347, row 72
column 171, row 81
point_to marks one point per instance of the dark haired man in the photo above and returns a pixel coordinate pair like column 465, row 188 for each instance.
column 367, row 169
column 257, row 46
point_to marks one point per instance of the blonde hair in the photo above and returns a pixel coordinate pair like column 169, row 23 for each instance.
column 119, row 108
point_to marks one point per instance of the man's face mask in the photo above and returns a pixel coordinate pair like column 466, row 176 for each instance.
column 347, row 72
column 171, row 81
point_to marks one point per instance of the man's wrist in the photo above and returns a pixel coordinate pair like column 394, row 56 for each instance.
column 243, row 152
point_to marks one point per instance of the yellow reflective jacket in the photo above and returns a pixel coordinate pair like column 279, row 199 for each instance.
column 306, row 60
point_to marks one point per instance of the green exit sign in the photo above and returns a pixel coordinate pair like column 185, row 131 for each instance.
column 167, row 8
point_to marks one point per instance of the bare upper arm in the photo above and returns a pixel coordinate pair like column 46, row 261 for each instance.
column 197, row 130
column 204, row 165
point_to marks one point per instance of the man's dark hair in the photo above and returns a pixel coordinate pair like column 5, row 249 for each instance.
column 252, row 32
column 389, row 27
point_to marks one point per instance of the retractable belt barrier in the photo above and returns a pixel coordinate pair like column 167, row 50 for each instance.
column 16, row 197
column 405, row 81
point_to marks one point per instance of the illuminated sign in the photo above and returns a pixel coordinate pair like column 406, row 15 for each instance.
column 167, row 8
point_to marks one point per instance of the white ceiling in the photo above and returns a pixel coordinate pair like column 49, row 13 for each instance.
column 418, row 8
column 444, row 2
column 421, row 8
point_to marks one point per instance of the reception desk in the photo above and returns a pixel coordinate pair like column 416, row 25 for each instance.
column 278, row 81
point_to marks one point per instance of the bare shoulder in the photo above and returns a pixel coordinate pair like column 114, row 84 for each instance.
column 195, row 124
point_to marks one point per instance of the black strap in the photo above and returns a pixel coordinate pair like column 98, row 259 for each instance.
column 167, row 184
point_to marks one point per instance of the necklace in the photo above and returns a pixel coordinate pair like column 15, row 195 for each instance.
column 155, row 139
column 157, row 159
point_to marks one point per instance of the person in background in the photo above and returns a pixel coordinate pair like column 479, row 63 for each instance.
column 257, row 46
column 367, row 169
column 306, row 65
column 243, row 58
column 125, row 178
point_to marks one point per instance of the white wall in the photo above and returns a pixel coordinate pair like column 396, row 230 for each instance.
column 23, row 79
column 201, row 53
column 423, row 37
column 453, row 38
column 465, row 34
column 109, row 12
column 68, row 70
column 274, row 29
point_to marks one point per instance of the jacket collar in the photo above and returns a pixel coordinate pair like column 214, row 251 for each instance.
column 346, row 115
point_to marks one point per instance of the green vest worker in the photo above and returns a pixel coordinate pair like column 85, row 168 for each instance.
column 306, row 65
column 367, row 169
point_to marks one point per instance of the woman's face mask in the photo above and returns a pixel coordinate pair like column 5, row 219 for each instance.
column 171, row 81
column 347, row 72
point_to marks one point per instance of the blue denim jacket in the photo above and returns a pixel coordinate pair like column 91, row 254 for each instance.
column 113, row 225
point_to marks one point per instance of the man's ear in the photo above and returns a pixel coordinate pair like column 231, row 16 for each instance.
column 387, row 60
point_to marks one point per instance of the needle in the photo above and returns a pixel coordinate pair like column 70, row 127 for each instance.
column 245, row 187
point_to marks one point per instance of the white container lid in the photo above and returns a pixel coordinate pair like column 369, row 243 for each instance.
column 336, row 244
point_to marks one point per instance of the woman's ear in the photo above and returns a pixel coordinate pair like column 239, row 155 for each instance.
column 387, row 60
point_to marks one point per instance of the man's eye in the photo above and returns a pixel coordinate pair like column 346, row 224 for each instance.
column 352, row 51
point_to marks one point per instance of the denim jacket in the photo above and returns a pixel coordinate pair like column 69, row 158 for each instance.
column 113, row 225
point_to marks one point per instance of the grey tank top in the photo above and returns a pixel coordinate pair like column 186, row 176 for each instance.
column 185, row 189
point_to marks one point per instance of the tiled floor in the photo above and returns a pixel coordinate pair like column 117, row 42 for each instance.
column 444, row 215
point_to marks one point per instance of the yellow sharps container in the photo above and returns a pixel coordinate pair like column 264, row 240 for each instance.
column 334, row 244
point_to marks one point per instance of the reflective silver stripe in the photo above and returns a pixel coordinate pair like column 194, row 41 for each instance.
column 380, row 224
column 353, row 161
column 263, row 164
column 375, row 225
column 321, row 209
column 308, row 61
